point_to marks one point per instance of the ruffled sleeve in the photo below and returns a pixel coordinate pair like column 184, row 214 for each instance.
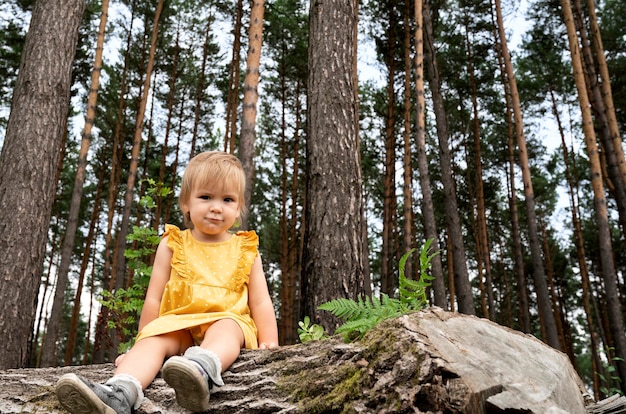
column 249, row 252
column 175, row 243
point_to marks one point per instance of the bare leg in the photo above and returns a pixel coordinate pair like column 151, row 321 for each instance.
column 225, row 339
column 145, row 358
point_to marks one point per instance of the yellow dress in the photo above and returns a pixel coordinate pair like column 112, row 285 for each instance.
column 208, row 282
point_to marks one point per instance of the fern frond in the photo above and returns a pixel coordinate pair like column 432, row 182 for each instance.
column 357, row 328
column 402, row 263
column 365, row 313
column 341, row 308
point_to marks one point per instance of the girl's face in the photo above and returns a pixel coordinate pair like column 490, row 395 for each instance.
column 213, row 210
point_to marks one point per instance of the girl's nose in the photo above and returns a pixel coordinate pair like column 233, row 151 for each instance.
column 215, row 206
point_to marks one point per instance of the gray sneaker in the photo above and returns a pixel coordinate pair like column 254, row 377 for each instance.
column 189, row 381
column 79, row 396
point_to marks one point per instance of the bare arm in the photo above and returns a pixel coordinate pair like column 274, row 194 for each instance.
column 261, row 307
column 159, row 277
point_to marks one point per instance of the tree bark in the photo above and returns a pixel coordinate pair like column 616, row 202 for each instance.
column 541, row 286
column 201, row 79
column 423, row 25
column 581, row 256
column 49, row 353
column 29, row 159
column 114, row 181
column 72, row 332
column 463, row 288
column 333, row 245
column 250, row 98
column 518, row 256
column 616, row 322
column 611, row 149
column 232, row 104
column 483, row 250
column 407, row 159
column 607, row 92
column 388, row 283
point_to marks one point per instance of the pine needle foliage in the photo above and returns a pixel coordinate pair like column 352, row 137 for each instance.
column 365, row 313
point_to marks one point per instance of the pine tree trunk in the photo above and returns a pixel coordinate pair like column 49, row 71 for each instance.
column 72, row 332
column 250, row 98
column 614, row 310
column 455, row 234
column 118, row 278
column 518, row 257
column 333, row 245
column 580, row 253
column 607, row 92
column 482, row 238
column 614, row 180
column 407, row 174
column 288, row 243
column 114, row 183
column 158, row 212
column 232, row 103
column 541, row 286
column 389, row 236
column 29, row 159
column 200, row 91
column 424, row 26
column 49, row 353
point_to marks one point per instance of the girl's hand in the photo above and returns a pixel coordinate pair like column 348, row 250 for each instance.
column 119, row 358
column 264, row 345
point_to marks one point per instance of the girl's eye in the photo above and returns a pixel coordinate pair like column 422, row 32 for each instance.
column 229, row 200
column 205, row 197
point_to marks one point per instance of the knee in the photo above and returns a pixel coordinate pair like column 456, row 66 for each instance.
column 172, row 343
column 224, row 330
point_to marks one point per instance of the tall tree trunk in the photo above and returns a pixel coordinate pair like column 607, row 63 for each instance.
column 614, row 180
column 407, row 174
column 72, row 331
column 389, row 237
column 614, row 310
column 541, row 286
column 114, row 181
column 296, row 224
column 461, row 277
column 135, row 152
column 250, row 98
column 367, row 278
column 119, row 276
column 92, row 289
column 333, row 250
column 423, row 25
column 49, row 353
column 287, row 323
column 482, row 237
column 596, row 364
column 554, row 296
column 174, row 167
column 200, row 91
column 518, row 256
column 158, row 213
column 232, row 101
column 29, row 158
column 607, row 92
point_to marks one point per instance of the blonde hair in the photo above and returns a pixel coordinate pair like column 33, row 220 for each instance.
column 210, row 169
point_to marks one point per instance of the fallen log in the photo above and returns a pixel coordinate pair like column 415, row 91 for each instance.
column 428, row 362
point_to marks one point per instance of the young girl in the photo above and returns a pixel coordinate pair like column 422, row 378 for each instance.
column 207, row 298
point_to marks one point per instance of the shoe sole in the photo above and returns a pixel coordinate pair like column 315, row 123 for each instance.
column 77, row 398
column 192, row 390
